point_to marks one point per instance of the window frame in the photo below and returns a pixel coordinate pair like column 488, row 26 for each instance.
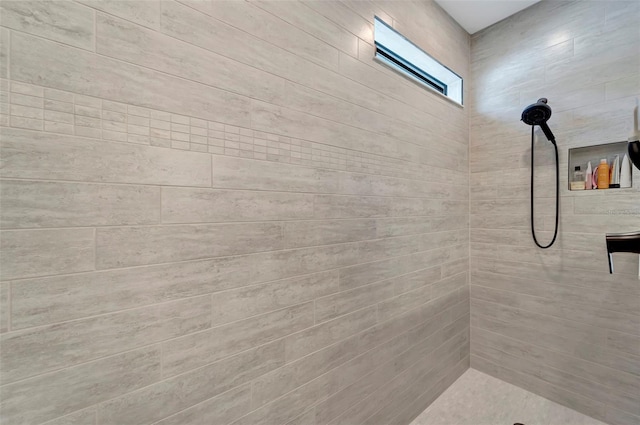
column 400, row 54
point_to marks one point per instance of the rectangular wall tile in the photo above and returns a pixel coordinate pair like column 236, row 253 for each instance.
column 55, row 394
column 162, row 244
column 170, row 396
column 224, row 408
column 46, row 300
column 166, row 54
column 66, row 22
column 237, row 173
column 251, row 300
column 68, row 69
column 311, row 233
column 624, row 342
column 185, row 205
column 4, row 53
column 29, row 253
column 53, row 204
column 144, row 13
column 81, row 417
column 317, row 337
column 4, row 307
column 38, row 155
column 32, row 352
column 199, row 349
column 332, row 306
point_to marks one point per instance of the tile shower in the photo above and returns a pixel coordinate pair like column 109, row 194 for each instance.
column 225, row 212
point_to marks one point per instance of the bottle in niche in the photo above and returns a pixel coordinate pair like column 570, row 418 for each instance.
column 578, row 179
column 588, row 178
column 603, row 174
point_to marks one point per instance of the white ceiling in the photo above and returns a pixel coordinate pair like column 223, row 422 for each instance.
column 475, row 15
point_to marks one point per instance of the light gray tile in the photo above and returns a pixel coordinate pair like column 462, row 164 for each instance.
column 266, row 26
column 332, row 306
column 575, row 303
column 185, row 23
column 622, row 88
column 615, row 205
column 541, row 386
column 312, row 233
column 319, row 336
column 619, row 417
column 43, row 349
column 130, row 246
column 624, row 342
column 455, row 267
column 363, row 274
column 58, row 298
column 39, row 155
column 167, row 54
column 82, row 417
column 272, row 118
column 336, row 358
column 238, row 173
column 404, row 388
column 4, row 52
column 332, row 206
column 222, row 409
column 248, row 301
column 404, row 302
column 66, row 22
column 623, row 382
column 299, row 15
column 415, row 280
column 4, row 307
column 576, row 347
column 58, row 393
column 558, row 378
column 49, row 204
column 146, row 13
column 408, row 225
column 368, row 373
column 187, row 205
column 192, row 351
column 505, row 312
column 29, row 253
column 63, row 68
column 450, row 284
column 307, row 418
column 170, row 396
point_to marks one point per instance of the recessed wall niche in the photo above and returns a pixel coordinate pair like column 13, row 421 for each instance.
column 581, row 156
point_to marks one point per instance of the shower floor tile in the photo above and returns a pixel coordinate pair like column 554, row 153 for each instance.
column 479, row 399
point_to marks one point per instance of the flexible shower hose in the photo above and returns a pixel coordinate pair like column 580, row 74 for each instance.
column 533, row 231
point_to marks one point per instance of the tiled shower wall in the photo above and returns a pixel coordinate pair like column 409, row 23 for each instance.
column 554, row 321
column 227, row 212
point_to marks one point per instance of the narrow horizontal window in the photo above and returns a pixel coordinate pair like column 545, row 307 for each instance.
column 400, row 54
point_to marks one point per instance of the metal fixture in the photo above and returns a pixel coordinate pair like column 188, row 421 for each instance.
column 538, row 114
